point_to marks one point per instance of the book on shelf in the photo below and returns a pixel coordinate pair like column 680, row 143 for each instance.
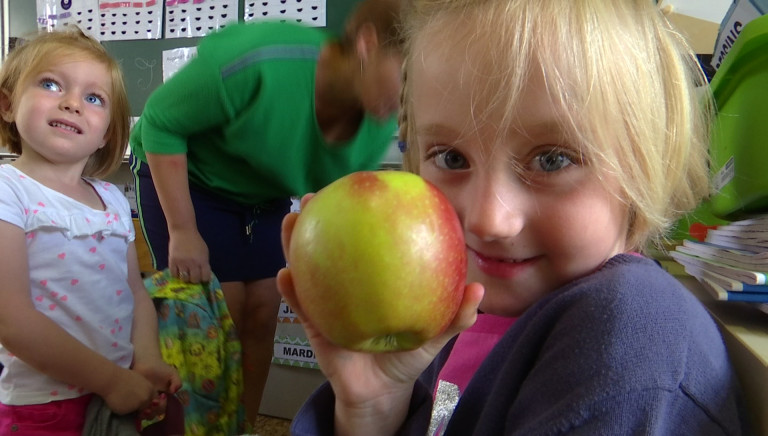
column 741, row 232
column 759, row 224
column 747, row 276
column 737, row 240
column 722, row 294
column 729, row 256
column 726, row 283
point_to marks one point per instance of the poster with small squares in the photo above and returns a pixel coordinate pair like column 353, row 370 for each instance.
column 122, row 20
column 308, row 12
column 191, row 18
column 53, row 14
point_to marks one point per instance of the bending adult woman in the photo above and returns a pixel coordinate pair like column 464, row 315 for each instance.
column 264, row 112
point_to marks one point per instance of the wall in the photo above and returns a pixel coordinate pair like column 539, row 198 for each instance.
column 141, row 60
column 708, row 10
column 699, row 21
column 23, row 19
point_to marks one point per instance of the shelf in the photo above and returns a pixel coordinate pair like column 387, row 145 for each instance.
column 745, row 330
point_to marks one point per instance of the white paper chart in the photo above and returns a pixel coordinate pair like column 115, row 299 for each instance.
column 175, row 59
column 53, row 14
column 121, row 20
column 190, row 18
column 308, row 12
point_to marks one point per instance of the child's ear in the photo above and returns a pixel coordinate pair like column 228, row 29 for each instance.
column 367, row 41
column 6, row 106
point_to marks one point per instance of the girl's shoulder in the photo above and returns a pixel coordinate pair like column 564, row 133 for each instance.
column 627, row 301
column 34, row 206
column 626, row 333
column 14, row 181
column 633, row 277
column 630, row 302
column 113, row 197
column 7, row 171
column 106, row 189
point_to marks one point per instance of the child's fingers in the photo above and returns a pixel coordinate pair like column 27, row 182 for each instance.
column 285, row 286
column 174, row 383
column 305, row 199
column 156, row 407
column 467, row 313
column 464, row 318
column 286, row 230
column 288, row 222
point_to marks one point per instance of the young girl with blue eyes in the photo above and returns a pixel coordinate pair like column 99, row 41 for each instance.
column 568, row 135
column 75, row 319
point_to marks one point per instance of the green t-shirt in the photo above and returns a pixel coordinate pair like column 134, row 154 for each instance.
column 243, row 111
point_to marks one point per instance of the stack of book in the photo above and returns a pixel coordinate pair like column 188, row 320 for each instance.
column 732, row 262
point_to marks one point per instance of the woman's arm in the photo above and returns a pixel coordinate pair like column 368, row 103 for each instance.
column 167, row 121
column 187, row 252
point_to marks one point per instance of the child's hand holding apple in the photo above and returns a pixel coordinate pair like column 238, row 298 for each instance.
column 376, row 273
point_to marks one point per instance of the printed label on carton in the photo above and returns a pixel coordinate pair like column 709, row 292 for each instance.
column 740, row 13
column 724, row 176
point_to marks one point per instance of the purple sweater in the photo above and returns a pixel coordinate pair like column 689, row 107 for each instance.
column 625, row 350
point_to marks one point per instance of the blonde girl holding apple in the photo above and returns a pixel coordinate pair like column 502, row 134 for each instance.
column 568, row 135
column 76, row 320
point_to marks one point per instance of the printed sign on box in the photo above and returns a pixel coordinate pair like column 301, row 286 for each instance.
column 293, row 351
column 739, row 14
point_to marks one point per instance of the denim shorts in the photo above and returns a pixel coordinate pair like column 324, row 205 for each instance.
column 243, row 240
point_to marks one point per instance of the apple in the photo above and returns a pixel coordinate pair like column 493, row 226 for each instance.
column 378, row 261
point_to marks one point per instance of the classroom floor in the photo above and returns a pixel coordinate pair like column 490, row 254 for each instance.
column 271, row 426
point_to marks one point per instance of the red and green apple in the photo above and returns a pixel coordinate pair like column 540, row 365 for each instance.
column 378, row 261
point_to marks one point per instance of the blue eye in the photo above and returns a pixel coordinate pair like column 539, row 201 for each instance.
column 552, row 160
column 50, row 85
column 449, row 159
column 95, row 99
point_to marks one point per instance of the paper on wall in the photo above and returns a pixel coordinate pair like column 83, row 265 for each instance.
column 308, row 12
column 54, row 14
column 192, row 18
column 123, row 20
column 176, row 58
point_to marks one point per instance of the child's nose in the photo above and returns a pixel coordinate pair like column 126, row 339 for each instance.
column 494, row 211
column 70, row 104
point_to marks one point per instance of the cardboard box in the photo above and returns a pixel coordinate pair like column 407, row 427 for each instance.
column 738, row 15
column 739, row 147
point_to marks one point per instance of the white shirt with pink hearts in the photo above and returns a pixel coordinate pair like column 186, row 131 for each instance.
column 78, row 276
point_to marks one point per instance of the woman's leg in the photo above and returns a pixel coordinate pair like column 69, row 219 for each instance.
column 254, row 306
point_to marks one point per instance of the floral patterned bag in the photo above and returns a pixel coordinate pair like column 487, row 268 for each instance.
column 197, row 336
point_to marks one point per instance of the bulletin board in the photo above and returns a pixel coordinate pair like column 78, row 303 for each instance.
column 141, row 60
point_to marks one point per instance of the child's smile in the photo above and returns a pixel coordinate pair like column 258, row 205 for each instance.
column 63, row 113
column 535, row 214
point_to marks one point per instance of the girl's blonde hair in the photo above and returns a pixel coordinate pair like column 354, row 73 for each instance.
column 623, row 81
column 32, row 57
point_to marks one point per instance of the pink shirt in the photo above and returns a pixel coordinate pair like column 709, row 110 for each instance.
column 469, row 351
